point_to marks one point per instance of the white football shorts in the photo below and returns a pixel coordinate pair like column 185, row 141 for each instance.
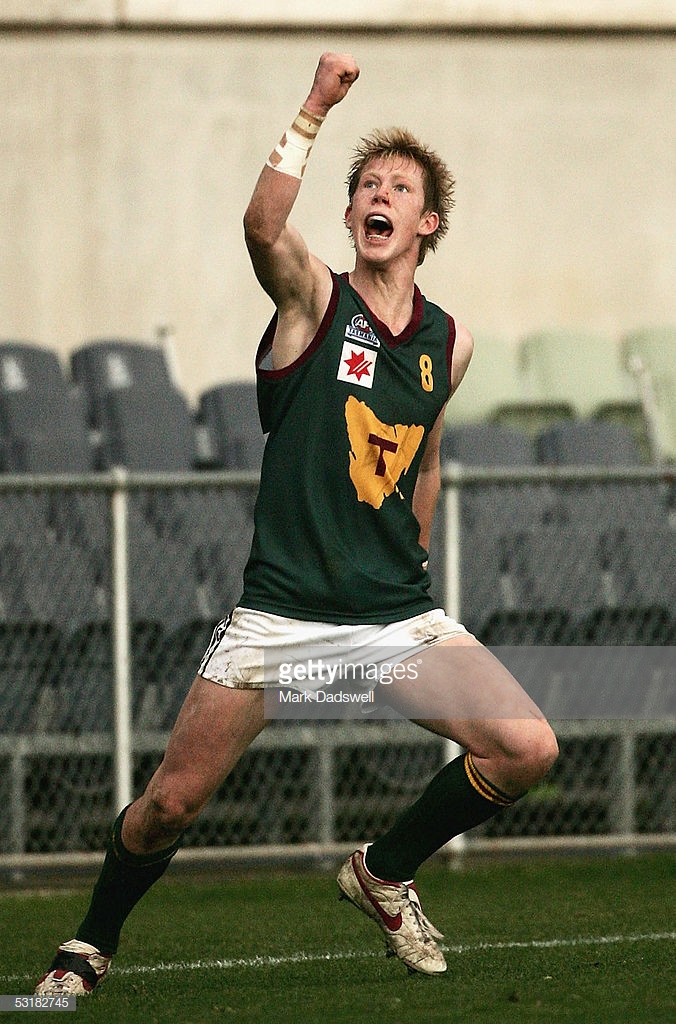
column 252, row 649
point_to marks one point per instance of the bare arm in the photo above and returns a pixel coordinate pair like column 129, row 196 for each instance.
column 298, row 283
column 462, row 354
column 428, row 483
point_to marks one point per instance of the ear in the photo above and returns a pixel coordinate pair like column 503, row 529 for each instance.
column 348, row 216
column 428, row 223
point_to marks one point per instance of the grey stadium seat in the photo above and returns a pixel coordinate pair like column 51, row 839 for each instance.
column 588, row 442
column 486, row 444
column 142, row 420
column 42, row 423
column 150, row 430
column 497, row 507
column 601, row 505
column 229, row 413
column 117, row 364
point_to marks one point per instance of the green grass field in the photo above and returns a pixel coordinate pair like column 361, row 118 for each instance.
column 588, row 940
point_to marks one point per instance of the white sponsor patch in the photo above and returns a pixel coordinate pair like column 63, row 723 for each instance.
column 357, row 365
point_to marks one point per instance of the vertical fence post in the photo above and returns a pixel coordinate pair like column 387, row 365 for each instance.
column 451, row 507
column 17, row 797
column 326, row 809
column 625, row 810
column 121, row 641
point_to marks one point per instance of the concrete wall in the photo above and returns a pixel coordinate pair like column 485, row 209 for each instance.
column 127, row 158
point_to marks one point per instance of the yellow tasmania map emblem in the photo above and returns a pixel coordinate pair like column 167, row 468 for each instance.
column 379, row 453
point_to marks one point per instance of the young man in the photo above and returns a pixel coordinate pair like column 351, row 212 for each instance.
column 354, row 373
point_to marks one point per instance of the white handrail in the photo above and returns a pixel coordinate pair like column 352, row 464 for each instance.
column 121, row 642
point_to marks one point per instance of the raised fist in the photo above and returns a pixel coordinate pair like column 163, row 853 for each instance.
column 335, row 74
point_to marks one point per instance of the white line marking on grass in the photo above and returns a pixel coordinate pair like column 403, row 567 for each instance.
column 306, row 958
column 599, row 940
column 300, row 957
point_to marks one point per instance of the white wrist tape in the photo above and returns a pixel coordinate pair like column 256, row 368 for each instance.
column 291, row 153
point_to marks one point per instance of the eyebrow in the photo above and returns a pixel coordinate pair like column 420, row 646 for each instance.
column 402, row 176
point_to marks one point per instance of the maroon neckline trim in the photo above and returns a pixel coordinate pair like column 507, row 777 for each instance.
column 390, row 339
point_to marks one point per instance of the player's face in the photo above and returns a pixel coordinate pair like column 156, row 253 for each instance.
column 387, row 215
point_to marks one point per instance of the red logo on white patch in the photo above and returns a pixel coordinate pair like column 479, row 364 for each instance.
column 357, row 365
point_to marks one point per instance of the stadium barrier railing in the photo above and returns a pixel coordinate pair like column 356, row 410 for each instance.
column 81, row 728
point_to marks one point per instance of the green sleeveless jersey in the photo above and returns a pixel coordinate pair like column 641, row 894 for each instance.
column 335, row 537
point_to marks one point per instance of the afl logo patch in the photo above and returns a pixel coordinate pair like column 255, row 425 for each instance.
column 359, row 330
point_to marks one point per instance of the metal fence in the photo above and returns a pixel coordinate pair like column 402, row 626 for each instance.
column 110, row 586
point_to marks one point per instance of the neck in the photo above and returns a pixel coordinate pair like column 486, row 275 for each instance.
column 390, row 296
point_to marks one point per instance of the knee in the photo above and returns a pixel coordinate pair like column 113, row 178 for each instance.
column 169, row 809
column 526, row 752
column 538, row 752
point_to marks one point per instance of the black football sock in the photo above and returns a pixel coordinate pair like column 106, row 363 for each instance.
column 125, row 877
column 457, row 799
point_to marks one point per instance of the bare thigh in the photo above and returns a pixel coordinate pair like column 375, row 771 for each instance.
column 214, row 728
column 460, row 690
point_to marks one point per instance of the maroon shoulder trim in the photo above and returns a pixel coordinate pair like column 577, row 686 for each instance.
column 322, row 331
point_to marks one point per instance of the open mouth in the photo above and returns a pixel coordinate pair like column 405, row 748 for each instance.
column 378, row 226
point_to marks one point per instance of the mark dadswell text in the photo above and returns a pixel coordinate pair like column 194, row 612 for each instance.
column 325, row 697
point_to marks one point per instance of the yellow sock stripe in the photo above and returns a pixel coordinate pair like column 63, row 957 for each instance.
column 483, row 786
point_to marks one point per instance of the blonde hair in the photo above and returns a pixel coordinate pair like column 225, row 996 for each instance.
column 438, row 182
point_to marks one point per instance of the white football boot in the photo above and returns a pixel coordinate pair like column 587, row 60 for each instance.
column 76, row 970
column 395, row 907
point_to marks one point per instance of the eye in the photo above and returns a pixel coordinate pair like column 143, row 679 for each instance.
column 402, row 188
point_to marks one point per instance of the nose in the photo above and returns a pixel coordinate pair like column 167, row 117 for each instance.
column 382, row 193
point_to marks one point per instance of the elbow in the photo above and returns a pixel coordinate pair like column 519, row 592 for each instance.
column 254, row 233
column 260, row 238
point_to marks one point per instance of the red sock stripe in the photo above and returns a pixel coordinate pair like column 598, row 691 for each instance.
column 485, row 789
